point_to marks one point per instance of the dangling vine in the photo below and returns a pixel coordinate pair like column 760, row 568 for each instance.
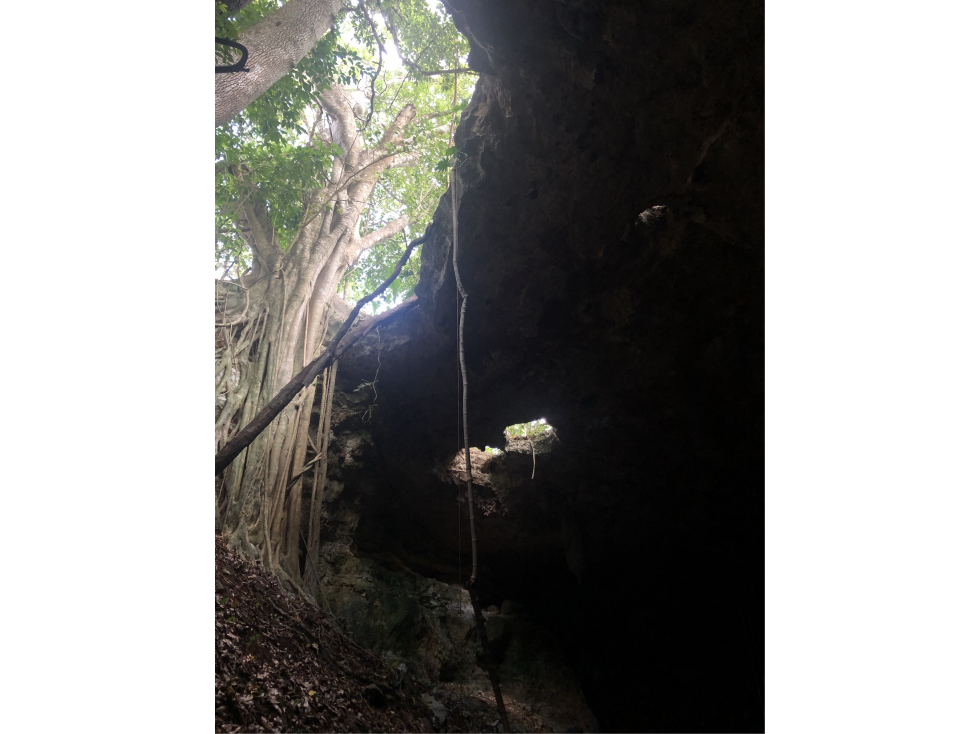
column 473, row 594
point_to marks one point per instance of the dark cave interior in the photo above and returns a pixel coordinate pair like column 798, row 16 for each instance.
column 611, row 229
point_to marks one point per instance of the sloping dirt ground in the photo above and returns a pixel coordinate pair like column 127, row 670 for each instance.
column 282, row 665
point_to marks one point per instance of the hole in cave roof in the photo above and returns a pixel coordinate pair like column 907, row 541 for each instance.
column 534, row 430
column 531, row 429
column 533, row 436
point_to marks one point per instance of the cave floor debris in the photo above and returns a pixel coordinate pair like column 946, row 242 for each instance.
column 282, row 664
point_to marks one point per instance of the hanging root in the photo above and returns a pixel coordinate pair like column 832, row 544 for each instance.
column 473, row 594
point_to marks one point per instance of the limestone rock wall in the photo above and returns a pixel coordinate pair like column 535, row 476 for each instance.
column 611, row 235
column 422, row 625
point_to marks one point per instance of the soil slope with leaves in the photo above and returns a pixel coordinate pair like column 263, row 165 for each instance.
column 283, row 665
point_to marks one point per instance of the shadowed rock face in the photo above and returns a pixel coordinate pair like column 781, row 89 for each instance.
column 611, row 240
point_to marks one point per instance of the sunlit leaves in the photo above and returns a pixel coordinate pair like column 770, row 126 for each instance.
column 532, row 430
column 268, row 152
column 428, row 37
column 415, row 190
column 375, row 265
column 281, row 109
column 280, row 173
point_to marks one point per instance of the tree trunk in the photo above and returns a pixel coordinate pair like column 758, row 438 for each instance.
column 275, row 45
column 272, row 324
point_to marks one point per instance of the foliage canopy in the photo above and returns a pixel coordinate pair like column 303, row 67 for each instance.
column 272, row 138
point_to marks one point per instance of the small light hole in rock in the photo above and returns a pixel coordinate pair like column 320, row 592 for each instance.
column 538, row 430
column 652, row 214
column 532, row 430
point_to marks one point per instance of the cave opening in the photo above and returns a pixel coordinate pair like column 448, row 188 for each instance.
column 621, row 562
column 536, row 431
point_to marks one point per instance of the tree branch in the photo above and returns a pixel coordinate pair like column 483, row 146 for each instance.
column 305, row 377
column 262, row 236
column 367, row 326
column 335, row 191
column 378, row 235
column 339, row 108
column 396, row 129
column 276, row 44
column 404, row 161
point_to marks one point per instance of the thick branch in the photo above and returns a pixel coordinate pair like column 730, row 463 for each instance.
column 418, row 70
column 367, row 326
column 326, row 195
column 276, row 44
column 408, row 160
column 382, row 233
column 396, row 130
column 307, row 374
column 262, row 239
column 336, row 103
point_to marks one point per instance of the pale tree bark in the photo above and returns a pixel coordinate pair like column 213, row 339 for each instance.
column 273, row 323
column 276, row 44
